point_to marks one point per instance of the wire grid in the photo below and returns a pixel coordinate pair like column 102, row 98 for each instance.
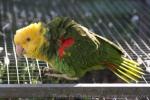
column 84, row 98
column 123, row 22
column 115, row 21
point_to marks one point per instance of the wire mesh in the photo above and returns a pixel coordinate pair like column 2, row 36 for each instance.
column 78, row 98
column 124, row 22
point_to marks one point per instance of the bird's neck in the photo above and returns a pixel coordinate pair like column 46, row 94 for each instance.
column 47, row 51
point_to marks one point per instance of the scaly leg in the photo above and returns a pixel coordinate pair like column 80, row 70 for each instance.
column 61, row 76
column 50, row 72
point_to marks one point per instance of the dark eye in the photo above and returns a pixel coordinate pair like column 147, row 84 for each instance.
column 28, row 39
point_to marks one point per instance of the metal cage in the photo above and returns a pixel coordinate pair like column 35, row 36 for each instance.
column 125, row 22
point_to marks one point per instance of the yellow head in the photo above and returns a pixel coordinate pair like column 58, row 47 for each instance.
column 29, row 39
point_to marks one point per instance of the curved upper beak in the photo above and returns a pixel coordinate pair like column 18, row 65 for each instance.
column 19, row 50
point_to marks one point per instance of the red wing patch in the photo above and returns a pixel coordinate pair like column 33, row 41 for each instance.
column 65, row 43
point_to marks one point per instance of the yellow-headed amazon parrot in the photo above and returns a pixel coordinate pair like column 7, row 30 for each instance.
column 72, row 50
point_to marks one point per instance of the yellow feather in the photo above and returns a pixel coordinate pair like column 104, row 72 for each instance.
column 32, row 31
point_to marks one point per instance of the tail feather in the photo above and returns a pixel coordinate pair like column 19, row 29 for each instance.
column 127, row 75
column 131, row 72
column 122, row 77
column 131, row 63
column 127, row 70
column 133, row 68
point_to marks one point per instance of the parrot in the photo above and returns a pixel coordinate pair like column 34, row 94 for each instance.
column 72, row 50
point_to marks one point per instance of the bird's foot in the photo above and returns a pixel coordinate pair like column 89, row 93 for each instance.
column 46, row 70
column 64, row 76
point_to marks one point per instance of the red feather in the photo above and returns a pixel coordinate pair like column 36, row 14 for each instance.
column 65, row 43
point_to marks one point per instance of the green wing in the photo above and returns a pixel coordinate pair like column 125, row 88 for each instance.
column 83, row 31
column 111, row 43
column 61, row 24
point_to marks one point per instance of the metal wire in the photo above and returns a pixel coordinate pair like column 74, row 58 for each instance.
column 6, row 59
column 129, row 37
column 28, row 69
column 30, row 13
column 103, row 17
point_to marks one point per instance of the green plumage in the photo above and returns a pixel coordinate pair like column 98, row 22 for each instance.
column 89, row 52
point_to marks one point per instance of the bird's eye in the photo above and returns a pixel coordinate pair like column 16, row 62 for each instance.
column 28, row 39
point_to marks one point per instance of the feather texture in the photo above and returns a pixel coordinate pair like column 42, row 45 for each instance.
column 73, row 50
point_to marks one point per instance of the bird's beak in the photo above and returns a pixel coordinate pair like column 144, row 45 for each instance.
column 19, row 50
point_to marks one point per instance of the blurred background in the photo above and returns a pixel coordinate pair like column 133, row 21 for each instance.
column 125, row 22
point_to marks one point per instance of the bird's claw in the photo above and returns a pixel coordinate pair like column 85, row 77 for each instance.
column 64, row 76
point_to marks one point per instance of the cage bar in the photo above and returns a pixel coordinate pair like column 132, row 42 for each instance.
column 64, row 90
column 112, row 19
